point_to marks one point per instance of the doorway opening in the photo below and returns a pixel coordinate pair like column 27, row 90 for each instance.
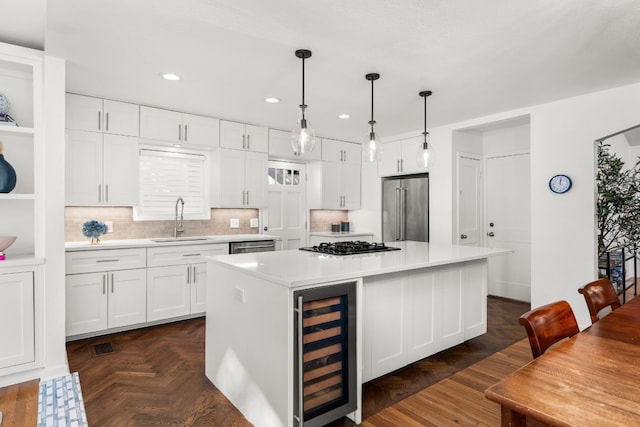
column 492, row 200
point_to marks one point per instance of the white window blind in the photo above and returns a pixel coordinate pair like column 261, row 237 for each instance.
column 165, row 176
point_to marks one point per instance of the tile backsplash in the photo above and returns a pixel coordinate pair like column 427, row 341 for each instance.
column 321, row 220
column 124, row 227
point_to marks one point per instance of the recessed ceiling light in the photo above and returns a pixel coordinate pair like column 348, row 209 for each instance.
column 272, row 100
column 344, row 116
column 170, row 76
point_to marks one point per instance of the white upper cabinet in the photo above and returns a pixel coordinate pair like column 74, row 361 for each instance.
column 341, row 151
column 101, row 169
column 334, row 183
column 101, row 115
column 239, row 179
column 240, row 136
column 280, row 147
column 179, row 128
column 400, row 157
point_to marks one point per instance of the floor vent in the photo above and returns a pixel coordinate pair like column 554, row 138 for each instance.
column 102, row 349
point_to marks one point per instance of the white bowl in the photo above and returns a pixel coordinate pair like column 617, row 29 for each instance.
column 6, row 241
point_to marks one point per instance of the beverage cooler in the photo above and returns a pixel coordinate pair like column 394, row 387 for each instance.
column 325, row 354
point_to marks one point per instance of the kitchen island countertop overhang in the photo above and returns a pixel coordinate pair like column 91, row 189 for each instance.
column 294, row 268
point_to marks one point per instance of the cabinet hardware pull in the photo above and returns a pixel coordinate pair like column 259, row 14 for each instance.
column 463, row 236
column 247, row 197
column 194, row 274
column 107, row 126
column 186, row 128
column 99, row 120
column 188, row 274
column 111, row 282
column 243, row 197
column 397, row 165
column 249, row 142
column 104, row 288
column 401, row 165
column 243, row 141
column 108, row 260
column 254, row 247
column 106, row 193
column 345, row 155
column 99, row 193
column 190, row 254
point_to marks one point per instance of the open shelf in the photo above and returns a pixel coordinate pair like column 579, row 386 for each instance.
column 15, row 130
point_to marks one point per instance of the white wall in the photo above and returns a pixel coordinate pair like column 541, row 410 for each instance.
column 563, row 241
column 507, row 140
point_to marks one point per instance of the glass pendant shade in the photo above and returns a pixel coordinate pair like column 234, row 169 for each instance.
column 425, row 151
column 372, row 144
column 303, row 137
column 372, row 147
column 425, row 155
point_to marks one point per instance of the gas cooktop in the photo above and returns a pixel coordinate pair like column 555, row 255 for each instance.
column 349, row 248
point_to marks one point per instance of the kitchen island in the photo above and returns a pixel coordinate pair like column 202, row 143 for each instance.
column 410, row 303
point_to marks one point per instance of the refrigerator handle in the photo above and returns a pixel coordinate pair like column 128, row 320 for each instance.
column 398, row 213
column 403, row 213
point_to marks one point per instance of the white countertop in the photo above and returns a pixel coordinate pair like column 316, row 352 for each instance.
column 294, row 268
column 145, row 243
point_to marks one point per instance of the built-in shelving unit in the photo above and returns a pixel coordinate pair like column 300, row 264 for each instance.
column 23, row 214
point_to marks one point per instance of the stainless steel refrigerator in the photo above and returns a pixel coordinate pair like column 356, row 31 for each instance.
column 405, row 208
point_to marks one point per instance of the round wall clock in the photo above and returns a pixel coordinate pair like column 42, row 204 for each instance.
column 560, row 184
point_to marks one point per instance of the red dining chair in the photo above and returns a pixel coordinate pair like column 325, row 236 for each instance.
column 548, row 324
column 599, row 295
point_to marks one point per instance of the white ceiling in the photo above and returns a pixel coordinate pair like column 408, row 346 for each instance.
column 478, row 57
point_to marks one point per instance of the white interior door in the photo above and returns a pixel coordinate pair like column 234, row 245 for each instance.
column 508, row 225
column 286, row 204
column 469, row 199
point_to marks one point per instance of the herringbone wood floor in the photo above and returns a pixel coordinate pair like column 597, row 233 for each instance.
column 155, row 376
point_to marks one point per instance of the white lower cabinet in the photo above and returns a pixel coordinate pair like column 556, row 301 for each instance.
column 177, row 280
column 115, row 289
column 105, row 289
column 408, row 317
column 17, row 324
column 98, row 301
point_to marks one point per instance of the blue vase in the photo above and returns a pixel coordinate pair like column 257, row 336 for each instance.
column 7, row 176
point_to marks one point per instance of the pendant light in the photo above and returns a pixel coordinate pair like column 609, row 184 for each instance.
column 425, row 153
column 303, row 137
column 372, row 145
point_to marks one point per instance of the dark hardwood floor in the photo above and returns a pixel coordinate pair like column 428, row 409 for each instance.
column 155, row 376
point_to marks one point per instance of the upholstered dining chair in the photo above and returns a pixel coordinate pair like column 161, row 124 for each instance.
column 599, row 295
column 549, row 324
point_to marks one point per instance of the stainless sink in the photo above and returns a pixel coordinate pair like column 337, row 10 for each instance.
column 179, row 239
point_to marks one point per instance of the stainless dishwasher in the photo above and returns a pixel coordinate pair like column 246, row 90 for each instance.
column 249, row 246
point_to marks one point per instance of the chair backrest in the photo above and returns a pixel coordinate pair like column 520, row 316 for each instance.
column 598, row 295
column 548, row 324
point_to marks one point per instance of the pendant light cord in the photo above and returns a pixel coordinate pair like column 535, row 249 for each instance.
column 425, row 117
column 303, row 105
column 372, row 122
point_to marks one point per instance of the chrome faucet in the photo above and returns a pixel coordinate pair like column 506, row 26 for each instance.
column 179, row 226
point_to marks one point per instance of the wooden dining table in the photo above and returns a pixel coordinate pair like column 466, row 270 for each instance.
column 591, row 379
